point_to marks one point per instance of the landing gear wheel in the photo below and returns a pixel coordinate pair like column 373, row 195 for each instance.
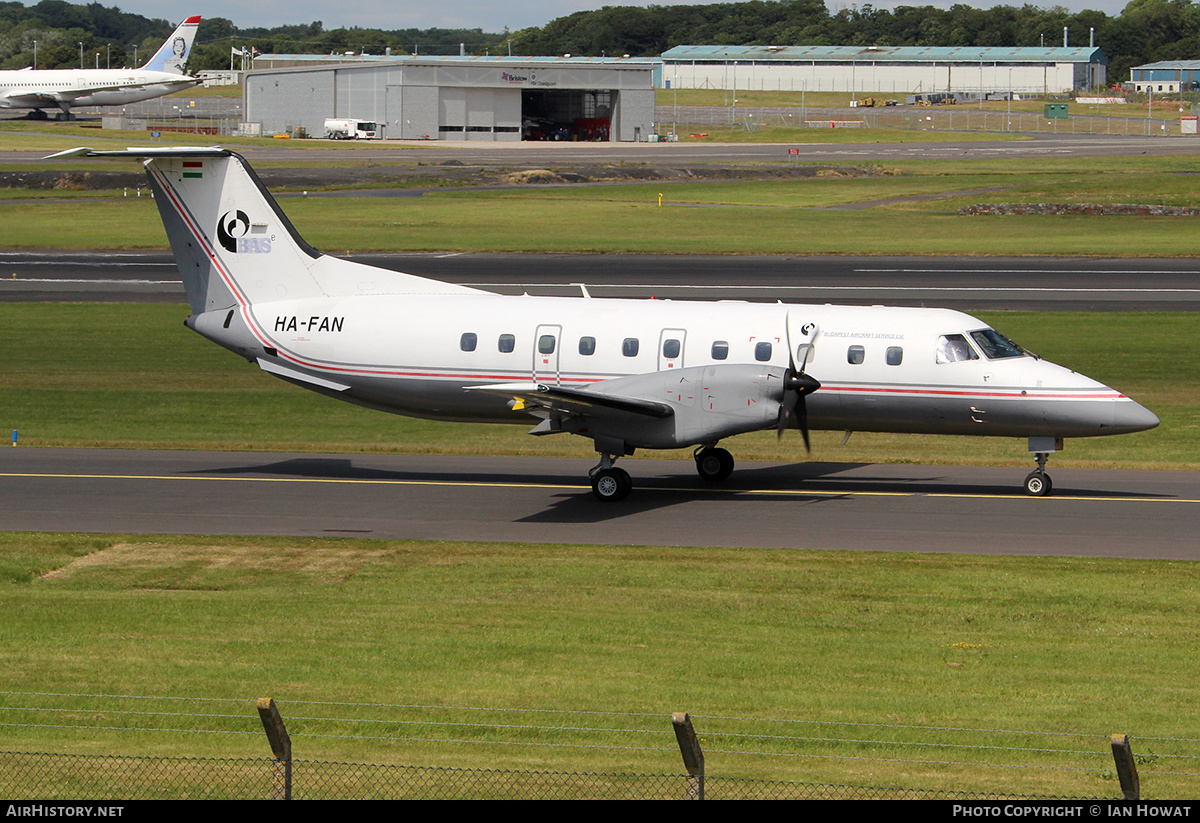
column 714, row 465
column 611, row 484
column 1038, row 484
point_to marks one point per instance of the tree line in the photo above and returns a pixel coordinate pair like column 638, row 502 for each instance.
column 1144, row 31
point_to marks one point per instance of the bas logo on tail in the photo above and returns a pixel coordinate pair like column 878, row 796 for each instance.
column 230, row 228
column 231, row 231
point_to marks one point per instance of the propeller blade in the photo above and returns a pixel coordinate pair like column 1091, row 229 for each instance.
column 790, row 399
column 802, row 421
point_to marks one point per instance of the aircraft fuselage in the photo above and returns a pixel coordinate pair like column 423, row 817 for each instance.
column 878, row 367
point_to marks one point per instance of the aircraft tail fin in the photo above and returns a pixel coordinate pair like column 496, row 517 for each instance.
column 235, row 247
column 173, row 54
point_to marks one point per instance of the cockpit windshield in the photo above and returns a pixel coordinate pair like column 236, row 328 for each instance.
column 996, row 346
column 954, row 348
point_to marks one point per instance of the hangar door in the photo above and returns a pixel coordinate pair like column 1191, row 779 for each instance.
column 567, row 115
column 478, row 114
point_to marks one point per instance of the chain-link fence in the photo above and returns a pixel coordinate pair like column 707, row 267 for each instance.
column 748, row 758
column 97, row 777
column 687, row 119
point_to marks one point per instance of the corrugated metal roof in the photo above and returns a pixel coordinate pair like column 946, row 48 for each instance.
column 454, row 58
column 888, row 54
column 1186, row 65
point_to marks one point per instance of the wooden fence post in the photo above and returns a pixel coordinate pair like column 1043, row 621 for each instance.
column 281, row 748
column 693, row 757
column 1126, row 768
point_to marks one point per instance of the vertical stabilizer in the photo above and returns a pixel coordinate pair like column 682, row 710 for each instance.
column 231, row 242
column 172, row 56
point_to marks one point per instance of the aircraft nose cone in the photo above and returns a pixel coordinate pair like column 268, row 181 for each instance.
column 1133, row 417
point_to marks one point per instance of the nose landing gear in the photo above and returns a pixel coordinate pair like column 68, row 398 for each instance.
column 1037, row 483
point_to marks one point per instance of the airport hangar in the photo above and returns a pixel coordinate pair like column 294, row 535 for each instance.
column 886, row 69
column 456, row 98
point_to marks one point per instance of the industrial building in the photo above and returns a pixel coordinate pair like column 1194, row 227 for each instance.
column 1166, row 76
column 884, row 69
column 457, row 98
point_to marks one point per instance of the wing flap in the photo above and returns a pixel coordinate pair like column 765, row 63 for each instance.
column 583, row 402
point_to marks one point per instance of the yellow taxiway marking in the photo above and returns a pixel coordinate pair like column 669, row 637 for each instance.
column 802, row 492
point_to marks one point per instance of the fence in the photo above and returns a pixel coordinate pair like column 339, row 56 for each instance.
column 686, row 119
column 812, row 747
column 97, row 777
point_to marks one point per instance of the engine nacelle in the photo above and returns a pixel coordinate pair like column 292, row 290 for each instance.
column 709, row 402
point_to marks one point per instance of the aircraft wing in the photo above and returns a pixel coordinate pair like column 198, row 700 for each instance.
column 542, row 397
column 26, row 97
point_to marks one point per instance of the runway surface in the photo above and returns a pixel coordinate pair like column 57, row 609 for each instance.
column 552, row 155
column 1093, row 513
column 1045, row 283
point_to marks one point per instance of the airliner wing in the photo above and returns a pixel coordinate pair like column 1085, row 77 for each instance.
column 584, row 402
column 26, row 97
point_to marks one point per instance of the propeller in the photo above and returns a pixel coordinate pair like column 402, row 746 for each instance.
column 796, row 386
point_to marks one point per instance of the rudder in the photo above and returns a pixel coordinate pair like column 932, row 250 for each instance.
column 172, row 55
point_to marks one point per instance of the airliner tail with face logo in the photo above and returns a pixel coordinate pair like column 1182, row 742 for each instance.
column 626, row 374
column 66, row 89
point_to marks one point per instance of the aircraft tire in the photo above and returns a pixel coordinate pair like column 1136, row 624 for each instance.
column 611, row 484
column 1038, row 484
column 714, row 465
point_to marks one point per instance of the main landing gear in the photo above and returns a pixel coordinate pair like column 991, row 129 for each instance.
column 1038, row 482
column 714, row 465
column 608, row 482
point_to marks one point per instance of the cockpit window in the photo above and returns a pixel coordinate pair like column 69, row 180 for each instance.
column 995, row 345
column 952, row 348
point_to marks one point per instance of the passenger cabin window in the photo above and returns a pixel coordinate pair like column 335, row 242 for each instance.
column 855, row 355
column 895, row 355
column 762, row 352
column 468, row 341
column 629, row 347
column 671, row 349
column 995, row 345
column 546, row 344
column 587, row 346
column 953, row 348
column 720, row 350
column 507, row 343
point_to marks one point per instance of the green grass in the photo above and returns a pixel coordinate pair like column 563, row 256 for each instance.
column 1166, row 109
column 904, row 643
column 133, row 376
column 768, row 216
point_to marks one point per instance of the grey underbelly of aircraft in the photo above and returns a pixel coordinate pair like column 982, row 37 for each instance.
column 996, row 417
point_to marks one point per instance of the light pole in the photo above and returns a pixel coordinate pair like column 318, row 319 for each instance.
column 81, row 55
column 675, row 105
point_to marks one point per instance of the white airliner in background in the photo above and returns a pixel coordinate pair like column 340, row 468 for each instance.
column 628, row 374
column 66, row 89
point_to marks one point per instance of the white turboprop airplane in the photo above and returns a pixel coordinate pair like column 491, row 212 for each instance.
column 66, row 89
column 629, row 374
